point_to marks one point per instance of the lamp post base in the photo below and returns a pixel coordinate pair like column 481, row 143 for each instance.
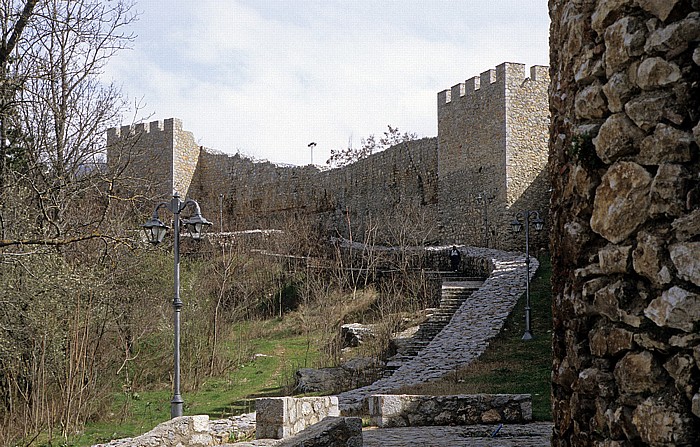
column 527, row 336
column 176, row 406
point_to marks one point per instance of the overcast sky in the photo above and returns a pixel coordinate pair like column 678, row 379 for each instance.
column 267, row 77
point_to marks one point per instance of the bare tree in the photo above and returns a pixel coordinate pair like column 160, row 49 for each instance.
column 368, row 146
column 54, row 111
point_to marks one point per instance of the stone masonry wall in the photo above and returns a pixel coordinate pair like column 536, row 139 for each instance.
column 281, row 417
column 159, row 156
column 396, row 186
column 492, row 142
column 402, row 410
column 492, row 133
column 625, row 170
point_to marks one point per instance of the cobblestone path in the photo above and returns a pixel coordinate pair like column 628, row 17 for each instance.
column 465, row 337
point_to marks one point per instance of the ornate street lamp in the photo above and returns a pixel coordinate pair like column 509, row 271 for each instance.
column 526, row 217
column 155, row 230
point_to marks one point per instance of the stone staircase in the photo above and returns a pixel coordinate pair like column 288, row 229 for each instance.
column 455, row 290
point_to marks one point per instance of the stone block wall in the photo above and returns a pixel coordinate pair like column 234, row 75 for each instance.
column 387, row 410
column 190, row 431
column 625, row 170
column 280, row 417
column 492, row 137
column 492, row 142
column 331, row 432
column 158, row 157
column 397, row 186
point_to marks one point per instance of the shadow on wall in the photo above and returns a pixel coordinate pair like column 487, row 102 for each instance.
column 534, row 198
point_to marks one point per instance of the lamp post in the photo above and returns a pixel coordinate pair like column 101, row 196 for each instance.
column 517, row 226
column 311, row 146
column 155, row 231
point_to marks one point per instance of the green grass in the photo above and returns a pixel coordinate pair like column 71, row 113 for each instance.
column 510, row 365
column 278, row 353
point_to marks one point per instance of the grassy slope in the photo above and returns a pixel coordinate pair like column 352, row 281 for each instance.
column 511, row 365
column 278, row 355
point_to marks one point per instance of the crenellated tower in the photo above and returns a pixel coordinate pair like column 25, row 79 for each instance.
column 160, row 156
column 492, row 151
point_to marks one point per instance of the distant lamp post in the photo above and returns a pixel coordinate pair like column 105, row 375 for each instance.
column 155, row 231
column 527, row 217
column 221, row 212
column 311, row 146
column 485, row 200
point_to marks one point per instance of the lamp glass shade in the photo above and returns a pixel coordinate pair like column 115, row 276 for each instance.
column 155, row 230
column 516, row 226
column 196, row 226
column 539, row 224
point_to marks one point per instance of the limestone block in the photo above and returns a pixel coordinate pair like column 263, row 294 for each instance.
column 623, row 192
column 660, row 423
column 594, row 382
column 618, row 136
column 688, row 226
column 590, row 102
column 655, row 72
column 660, row 8
column 676, row 308
column 614, row 258
column 647, row 342
column 280, row 417
column 331, row 432
column 684, row 341
column 606, row 13
column 618, row 90
column 637, row 373
column 668, row 191
column 675, row 37
column 686, row 258
column 680, row 368
column 649, row 259
column 648, row 109
column 666, row 145
column 696, row 404
column 624, row 40
column 610, row 341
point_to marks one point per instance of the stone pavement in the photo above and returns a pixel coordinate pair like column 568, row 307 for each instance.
column 528, row 435
column 536, row 434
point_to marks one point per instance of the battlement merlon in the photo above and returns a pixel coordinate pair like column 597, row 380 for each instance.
column 169, row 126
column 493, row 80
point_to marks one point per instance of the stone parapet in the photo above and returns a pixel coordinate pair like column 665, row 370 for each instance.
column 280, row 417
column 330, row 432
column 404, row 410
column 190, row 431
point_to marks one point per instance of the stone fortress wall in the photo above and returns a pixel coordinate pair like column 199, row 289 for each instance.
column 492, row 133
column 492, row 136
column 159, row 152
column 625, row 172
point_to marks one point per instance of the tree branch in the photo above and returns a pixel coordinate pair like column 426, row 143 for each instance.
column 57, row 242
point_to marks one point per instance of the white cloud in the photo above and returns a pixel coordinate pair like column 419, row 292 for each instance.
column 268, row 77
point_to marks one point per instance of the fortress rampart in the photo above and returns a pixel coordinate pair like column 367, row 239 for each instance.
column 492, row 140
column 144, row 149
column 492, row 148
